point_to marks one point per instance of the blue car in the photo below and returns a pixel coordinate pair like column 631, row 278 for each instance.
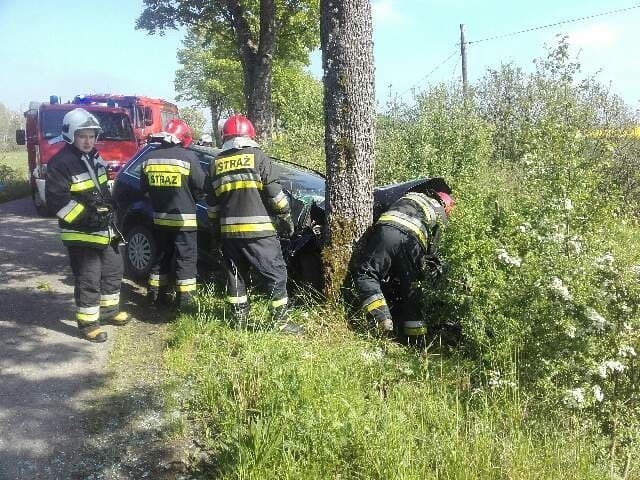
column 306, row 191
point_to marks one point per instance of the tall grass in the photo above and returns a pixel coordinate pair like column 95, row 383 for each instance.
column 337, row 404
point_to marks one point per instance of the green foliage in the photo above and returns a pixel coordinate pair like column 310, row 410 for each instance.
column 544, row 255
column 439, row 136
column 9, row 123
column 299, row 136
column 211, row 75
column 336, row 405
column 13, row 176
column 195, row 119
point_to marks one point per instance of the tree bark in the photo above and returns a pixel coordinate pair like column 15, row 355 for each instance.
column 347, row 60
column 257, row 62
column 215, row 107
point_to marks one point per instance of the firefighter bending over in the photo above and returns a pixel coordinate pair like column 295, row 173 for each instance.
column 76, row 189
column 244, row 194
column 174, row 180
column 401, row 249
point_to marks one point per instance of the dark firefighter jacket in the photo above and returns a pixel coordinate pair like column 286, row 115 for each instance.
column 244, row 194
column 72, row 194
column 174, row 180
column 417, row 215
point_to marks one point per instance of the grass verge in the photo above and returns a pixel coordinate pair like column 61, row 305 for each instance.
column 337, row 404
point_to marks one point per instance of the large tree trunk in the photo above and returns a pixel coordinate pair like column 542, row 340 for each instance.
column 257, row 62
column 347, row 60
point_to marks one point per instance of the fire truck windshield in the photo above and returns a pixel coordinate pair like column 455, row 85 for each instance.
column 115, row 126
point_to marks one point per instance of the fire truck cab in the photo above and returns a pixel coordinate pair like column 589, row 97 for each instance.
column 148, row 115
column 42, row 136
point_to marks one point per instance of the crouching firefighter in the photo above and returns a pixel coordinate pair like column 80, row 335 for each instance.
column 76, row 189
column 401, row 250
column 174, row 180
column 244, row 195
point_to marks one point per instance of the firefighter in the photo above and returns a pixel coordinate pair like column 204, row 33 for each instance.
column 174, row 180
column 245, row 195
column 76, row 189
column 401, row 249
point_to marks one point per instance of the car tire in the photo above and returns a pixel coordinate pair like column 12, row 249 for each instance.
column 139, row 252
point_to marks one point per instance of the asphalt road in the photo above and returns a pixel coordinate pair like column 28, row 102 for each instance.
column 47, row 373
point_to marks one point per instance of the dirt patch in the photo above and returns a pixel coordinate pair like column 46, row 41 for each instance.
column 133, row 432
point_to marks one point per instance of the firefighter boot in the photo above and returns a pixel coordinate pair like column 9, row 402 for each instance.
column 241, row 316
column 120, row 319
column 93, row 333
column 283, row 323
column 184, row 300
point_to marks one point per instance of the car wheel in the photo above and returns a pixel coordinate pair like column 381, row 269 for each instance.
column 140, row 251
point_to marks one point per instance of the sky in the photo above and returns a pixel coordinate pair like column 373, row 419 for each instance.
column 67, row 48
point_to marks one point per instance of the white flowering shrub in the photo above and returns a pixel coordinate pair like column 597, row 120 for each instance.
column 544, row 261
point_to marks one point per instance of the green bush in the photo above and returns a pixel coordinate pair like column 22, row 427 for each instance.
column 12, row 184
column 544, row 256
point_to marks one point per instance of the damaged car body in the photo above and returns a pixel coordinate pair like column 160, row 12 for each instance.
column 304, row 187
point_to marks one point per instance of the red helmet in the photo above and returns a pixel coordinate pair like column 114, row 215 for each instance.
column 447, row 202
column 238, row 126
column 180, row 130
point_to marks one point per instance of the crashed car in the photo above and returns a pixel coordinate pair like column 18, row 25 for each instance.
column 304, row 187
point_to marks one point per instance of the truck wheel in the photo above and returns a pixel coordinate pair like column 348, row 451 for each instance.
column 41, row 208
column 139, row 252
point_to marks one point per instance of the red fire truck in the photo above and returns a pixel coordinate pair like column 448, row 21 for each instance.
column 148, row 115
column 42, row 136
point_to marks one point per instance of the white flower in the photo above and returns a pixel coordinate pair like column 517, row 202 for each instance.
column 598, row 322
column 597, row 393
column 567, row 204
column 574, row 397
column 604, row 262
column 636, row 270
column 571, row 331
column 556, row 237
column 494, row 378
column 524, row 228
column 559, row 289
column 506, row 259
column 575, row 245
column 406, row 370
column 626, row 351
column 371, row 357
column 612, row 366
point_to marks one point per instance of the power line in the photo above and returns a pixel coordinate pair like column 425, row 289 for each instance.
column 427, row 75
column 611, row 12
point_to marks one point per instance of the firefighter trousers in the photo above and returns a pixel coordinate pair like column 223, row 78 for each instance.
column 258, row 261
column 395, row 258
column 98, row 277
column 176, row 263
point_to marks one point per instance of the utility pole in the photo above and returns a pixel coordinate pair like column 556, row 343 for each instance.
column 463, row 54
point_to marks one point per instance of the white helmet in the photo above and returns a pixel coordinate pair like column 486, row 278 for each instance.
column 78, row 119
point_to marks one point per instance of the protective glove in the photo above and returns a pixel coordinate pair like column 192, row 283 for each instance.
column 433, row 268
column 97, row 221
column 284, row 225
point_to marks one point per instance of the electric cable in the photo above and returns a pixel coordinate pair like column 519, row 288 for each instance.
column 611, row 12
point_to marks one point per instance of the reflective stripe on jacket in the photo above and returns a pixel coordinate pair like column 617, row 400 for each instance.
column 417, row 215
column 71, row 192
column 245, row 193
column 174, row 179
